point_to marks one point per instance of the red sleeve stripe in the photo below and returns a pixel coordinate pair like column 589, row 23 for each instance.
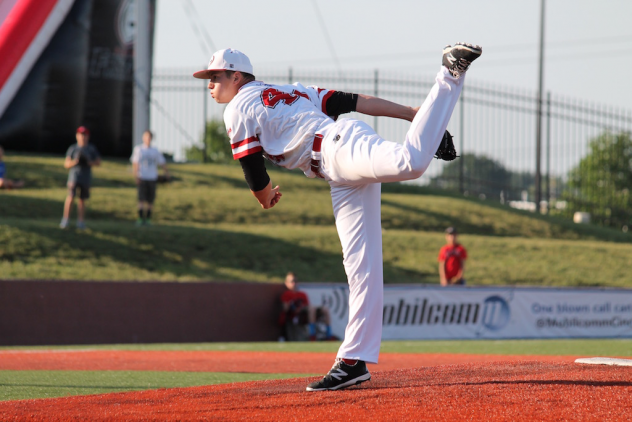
column 325, row 98
column 246, row 147
column 247, row 152
column 246, row 141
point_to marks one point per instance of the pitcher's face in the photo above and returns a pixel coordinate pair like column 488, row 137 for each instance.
column 223, row 88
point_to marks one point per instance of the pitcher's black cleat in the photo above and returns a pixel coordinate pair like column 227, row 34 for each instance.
column 341, row 376
column 459, row 58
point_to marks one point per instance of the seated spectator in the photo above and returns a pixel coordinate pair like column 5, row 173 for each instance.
column 4, row 182
column 452, row 258
column 299, row 320
column 322, row 325
column 294, row 316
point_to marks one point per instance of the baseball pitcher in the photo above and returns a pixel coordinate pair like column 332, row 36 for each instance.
column 295, row 126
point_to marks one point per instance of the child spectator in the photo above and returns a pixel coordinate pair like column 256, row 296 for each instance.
column 80, row 158
column 145, row 161
column 452, row 258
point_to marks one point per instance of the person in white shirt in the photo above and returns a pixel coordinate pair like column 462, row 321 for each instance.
column 145, row 161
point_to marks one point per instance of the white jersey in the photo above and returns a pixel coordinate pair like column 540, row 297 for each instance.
column 280, row 120
column 148, row 160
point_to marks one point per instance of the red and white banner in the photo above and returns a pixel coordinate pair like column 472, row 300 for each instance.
column 26, row 28
column 434, row 312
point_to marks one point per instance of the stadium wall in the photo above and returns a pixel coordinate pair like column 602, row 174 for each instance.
column 73, row 312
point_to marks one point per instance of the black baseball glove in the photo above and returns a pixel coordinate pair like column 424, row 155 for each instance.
column 446, row 149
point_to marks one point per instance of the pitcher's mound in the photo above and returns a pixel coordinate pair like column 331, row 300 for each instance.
column 526, row 390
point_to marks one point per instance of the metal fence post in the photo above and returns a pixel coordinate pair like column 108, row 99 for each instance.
column 538, row 142
column 548, row 152
column 375, row 93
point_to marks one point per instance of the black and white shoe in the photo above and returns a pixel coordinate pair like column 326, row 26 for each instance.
column 342, row 375
column 459, row 58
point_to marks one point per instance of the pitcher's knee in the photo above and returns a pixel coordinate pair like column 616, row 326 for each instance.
column 404, row 169
column 407, row 172
column 416, row 172
column 417, row 168
column 404, row 174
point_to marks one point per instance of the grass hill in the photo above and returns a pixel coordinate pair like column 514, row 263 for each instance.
column 207, row 226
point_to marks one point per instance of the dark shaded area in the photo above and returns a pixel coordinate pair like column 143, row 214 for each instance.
column 194, row 252
column 37, row 208
column 71, row 312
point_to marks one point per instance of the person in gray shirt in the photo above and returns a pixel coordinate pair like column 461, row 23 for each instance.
column 80, row 158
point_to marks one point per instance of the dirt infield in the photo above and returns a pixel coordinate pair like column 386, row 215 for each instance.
column 212, row 361
column 499, row 391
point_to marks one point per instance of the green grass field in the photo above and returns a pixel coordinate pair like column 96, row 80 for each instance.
column 207, row 213
column 18, row 385
column 611, row 347
column 21, row 385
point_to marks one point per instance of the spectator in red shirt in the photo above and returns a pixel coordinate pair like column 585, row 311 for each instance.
column 294, row 316
column 452, row 258
column 300, row 321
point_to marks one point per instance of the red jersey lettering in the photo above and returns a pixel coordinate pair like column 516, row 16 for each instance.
column 271, row 97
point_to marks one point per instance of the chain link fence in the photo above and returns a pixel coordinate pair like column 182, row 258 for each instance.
column 586, row 150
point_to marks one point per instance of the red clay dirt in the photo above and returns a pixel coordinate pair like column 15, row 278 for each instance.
column 214, row 361
column 497, row 391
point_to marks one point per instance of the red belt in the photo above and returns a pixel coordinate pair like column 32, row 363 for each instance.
column 316, row 156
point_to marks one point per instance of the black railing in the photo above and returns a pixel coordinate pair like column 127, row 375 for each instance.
column 584, row 145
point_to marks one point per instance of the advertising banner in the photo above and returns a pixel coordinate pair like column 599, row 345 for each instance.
column 433, row 312
column 74, row 67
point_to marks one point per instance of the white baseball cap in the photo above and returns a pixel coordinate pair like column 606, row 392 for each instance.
column 227, row 59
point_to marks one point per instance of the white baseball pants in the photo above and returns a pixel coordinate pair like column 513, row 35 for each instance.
column 355, row 161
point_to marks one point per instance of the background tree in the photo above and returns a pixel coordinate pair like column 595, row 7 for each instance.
column 481, row 176
column 600, row 184
column 215, row 148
